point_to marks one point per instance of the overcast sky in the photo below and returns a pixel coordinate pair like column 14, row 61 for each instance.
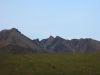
column 42, row 18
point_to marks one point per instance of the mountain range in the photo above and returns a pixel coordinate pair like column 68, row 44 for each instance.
column 13, row 41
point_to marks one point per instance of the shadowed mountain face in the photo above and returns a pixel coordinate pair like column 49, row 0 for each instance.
column 59, row 44
column 13, row 41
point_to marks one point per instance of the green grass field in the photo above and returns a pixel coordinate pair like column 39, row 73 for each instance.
column 50, row 64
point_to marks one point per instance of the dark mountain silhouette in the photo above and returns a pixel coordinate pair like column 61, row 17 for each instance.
column 13, row 41
column 59, row 44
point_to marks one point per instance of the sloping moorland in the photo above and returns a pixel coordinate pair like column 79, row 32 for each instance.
column 50, row 64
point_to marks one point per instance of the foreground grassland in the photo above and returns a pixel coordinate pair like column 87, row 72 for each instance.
column 50, row 64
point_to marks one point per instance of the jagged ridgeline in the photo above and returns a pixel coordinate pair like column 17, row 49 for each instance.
column 13, row 41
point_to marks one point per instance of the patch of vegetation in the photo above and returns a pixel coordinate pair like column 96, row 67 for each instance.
column 50, row 64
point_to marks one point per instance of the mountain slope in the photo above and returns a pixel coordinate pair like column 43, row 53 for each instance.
column 59, row 44
column 13, row 40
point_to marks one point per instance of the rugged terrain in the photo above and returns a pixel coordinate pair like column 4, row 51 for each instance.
column 19, row 55
column 13, row 41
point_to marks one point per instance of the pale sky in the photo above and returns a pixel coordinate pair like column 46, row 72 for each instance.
column 42, row 18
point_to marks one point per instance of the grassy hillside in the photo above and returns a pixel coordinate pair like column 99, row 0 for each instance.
column 50, row 64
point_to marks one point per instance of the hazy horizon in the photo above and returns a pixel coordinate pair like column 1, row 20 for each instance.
column 42, row 18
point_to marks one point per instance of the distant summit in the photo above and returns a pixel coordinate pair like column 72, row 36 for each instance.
column 13, row 41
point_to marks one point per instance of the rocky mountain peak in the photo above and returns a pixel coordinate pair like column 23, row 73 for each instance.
column 58, row 37
column 14, row 30
column 14, row 40
column 50, row 38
